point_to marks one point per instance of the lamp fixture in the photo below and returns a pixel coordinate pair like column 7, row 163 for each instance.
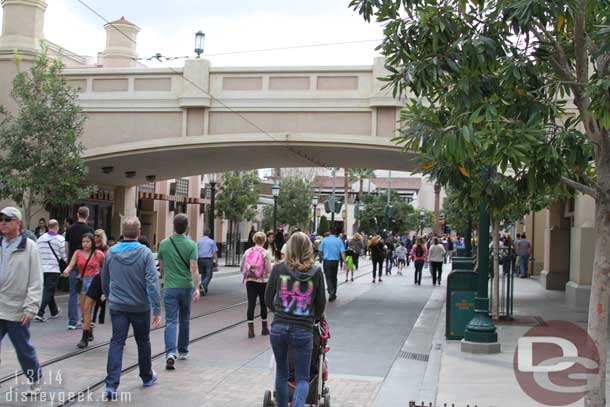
column 107, row 170
column 199, row 42
column 151, row 178
column 130, row 174
column 314, row 200
column 275, row 190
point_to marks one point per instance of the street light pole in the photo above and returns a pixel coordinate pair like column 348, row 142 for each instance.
column 388, row 206
column 212, row 203
column 480, row 334
column 314, row 202
column 333, row 201
column 422, row 214
column 275, row 190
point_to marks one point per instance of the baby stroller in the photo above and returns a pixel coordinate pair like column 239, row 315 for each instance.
column 319, row 394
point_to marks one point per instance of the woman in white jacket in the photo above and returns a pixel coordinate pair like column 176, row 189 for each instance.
column 436, row 256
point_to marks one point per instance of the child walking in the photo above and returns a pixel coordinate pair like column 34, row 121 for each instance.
column 401, row 257
column 349, row 262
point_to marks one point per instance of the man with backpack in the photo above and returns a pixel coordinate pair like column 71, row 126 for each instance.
column 255, row 268
column 178, row 265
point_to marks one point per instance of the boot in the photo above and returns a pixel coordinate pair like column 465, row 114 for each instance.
column 251, row 329
column 265, row 330
column 90, row 338
column 84, row 340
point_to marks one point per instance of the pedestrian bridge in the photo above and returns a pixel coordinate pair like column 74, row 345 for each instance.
column 174, row 122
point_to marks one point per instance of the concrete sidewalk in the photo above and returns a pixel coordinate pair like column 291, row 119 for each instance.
column 489, row 380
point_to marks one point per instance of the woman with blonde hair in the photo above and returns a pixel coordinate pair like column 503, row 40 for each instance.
column 256, row 266
column 295, row 294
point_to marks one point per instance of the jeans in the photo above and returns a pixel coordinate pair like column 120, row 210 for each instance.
column 73, row 299
column 206, row 271
column 436, row 268
column 523, row 258
column 419, row 265
column 331, row 267
column 256, row 290
column 26, row 354
column 177, row 309
column 300, row 342
column 377, row 263
column 389, row 262
column 48, row 294
column 140, row 321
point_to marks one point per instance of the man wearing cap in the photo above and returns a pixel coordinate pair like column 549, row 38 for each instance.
column 20, row 291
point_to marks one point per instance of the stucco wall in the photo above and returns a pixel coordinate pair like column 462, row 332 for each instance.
column 103, row 129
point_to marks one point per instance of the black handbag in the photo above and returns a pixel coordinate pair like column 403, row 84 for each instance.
column 79, row 278
column 60, row 262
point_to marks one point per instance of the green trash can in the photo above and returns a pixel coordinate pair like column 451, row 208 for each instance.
column 461, row 292
column 462, row 263
column 461, row 251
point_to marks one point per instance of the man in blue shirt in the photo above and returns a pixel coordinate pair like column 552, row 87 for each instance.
column 208, row 255
column 332, row 249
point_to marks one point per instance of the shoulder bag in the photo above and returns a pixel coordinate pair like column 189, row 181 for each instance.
column 60, row 262
column 186, row 263
column 79, row 278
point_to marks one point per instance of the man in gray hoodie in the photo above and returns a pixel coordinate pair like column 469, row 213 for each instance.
column 131, row 284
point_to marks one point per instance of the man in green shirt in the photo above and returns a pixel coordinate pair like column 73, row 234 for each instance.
column 178, row 264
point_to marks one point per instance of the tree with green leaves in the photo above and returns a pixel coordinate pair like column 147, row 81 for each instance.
column 490, row 81
column 40, row 161
column 237, row 197
column 267, row 217
column 323, row 227
column 237, row 200
column 360, row 174
column 404, row 217
column 294, row 202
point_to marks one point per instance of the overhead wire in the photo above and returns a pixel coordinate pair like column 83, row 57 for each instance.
column 159, row 57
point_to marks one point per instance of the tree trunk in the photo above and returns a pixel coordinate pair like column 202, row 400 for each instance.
column 26, row 203
column 495, row 306
column 598, row 303
column 360, row 189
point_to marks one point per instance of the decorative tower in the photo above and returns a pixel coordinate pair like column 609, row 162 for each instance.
column 120, row 49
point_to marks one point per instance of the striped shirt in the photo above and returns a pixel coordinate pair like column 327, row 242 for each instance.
column 47, row 259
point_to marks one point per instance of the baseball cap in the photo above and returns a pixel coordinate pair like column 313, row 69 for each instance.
column 11, row 212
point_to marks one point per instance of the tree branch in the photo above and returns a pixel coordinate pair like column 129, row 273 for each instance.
column 585, row 189
column 580, row 43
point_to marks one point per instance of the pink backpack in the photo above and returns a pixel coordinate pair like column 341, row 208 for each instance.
column 254, row 264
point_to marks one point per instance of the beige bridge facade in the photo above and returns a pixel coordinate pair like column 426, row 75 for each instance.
column 148, row 124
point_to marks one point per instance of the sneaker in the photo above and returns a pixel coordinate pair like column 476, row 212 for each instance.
column 39, row 318
column 170, row 362
column 183, row 356
column 151, row 381
column 33, row 390
column 72, row 327
column 56, row 315
column 92, row 324
column 110, row 394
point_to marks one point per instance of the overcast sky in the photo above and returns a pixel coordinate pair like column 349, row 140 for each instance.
column 229, row 25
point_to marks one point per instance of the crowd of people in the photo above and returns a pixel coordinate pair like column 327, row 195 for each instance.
column 279, row 271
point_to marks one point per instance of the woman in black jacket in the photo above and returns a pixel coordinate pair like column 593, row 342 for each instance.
column 377, row 255
column 295, row 294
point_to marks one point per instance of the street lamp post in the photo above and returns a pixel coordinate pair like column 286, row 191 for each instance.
column 212, row 219
column 360, row 208
column 275, row 190
column 388, row 206
column 422, row 218
column 480, row 335
column 314, row 202
column 333, row 202
column 199, row 41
